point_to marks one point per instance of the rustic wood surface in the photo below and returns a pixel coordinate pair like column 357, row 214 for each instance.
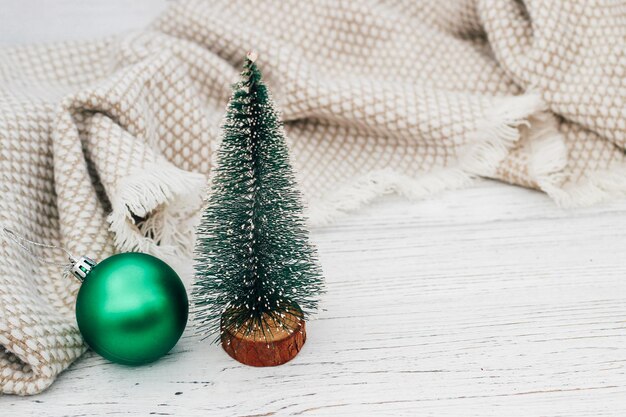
column 485, row 301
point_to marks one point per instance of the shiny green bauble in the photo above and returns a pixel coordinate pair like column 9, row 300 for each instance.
column 132, row 308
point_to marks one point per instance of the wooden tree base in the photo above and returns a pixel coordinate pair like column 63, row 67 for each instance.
column 272, row 348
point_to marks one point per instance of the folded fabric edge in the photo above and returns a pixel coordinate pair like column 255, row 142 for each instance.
column 18, row 376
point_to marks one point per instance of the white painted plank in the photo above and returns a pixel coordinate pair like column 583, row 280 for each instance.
column 486, row 301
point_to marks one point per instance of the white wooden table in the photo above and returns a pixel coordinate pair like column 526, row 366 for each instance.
column 484, row 301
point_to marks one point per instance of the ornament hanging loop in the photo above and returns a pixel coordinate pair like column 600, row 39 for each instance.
column 79, row 267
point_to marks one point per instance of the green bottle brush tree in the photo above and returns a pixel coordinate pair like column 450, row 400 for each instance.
column 257, row 274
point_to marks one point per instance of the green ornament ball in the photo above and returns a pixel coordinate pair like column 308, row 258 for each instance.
column 132, row 308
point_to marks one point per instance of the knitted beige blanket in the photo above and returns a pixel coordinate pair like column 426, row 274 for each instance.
column 105, row 145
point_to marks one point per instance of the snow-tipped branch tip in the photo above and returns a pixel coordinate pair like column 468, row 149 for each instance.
column 252, row 56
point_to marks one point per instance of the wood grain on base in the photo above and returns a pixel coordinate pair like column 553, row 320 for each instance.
column 272, row 346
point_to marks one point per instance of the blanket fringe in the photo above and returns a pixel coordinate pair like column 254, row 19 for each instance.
column 591, row 189
column 167, row 202
column 549, row 160
column 486, row 149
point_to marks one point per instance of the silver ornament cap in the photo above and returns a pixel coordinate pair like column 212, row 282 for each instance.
column 81, row 267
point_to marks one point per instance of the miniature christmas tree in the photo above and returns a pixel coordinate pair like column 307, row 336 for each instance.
column 257, row 275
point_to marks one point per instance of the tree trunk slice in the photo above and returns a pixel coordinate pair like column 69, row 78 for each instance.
column 270, row 348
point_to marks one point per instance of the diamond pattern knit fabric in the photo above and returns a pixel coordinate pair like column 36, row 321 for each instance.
column 106, row 145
